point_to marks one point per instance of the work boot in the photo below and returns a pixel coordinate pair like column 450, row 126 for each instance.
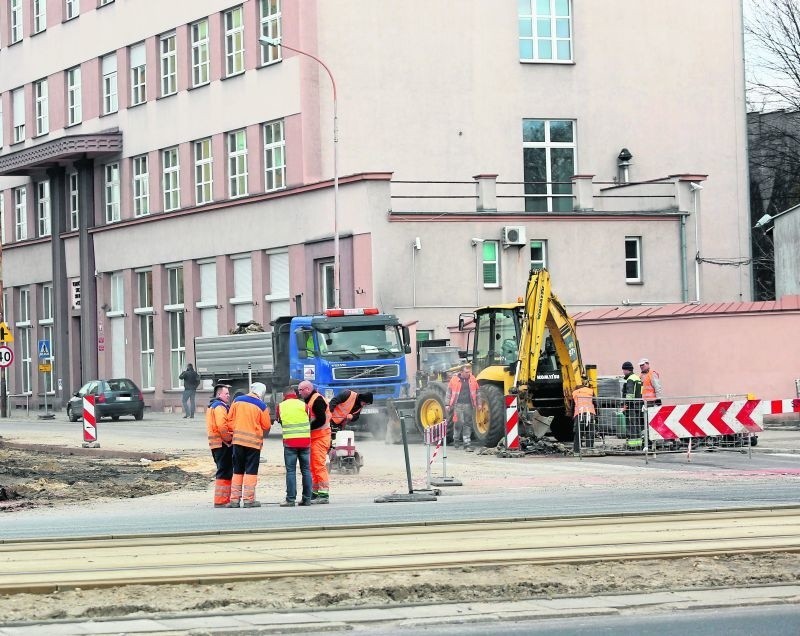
column 287, row 504
column 234, row 503
column 320, row 500
column 225, row 505
column 469, row 449
column 251, row 504
column 305, row 502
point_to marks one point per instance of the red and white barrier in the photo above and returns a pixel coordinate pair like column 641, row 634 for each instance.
column 714, row 418
column 435, row 433
column 512, row 423
column 89, row 422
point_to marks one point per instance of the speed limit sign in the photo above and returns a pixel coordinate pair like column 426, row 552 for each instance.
column 6, row 356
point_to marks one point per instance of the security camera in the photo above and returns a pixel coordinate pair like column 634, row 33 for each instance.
column 695, row 186
column 417, row 244
column 475, row 241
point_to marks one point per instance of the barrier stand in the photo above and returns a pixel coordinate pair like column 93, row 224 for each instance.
column 89, row 423
column 512, row 427
column 437, row 434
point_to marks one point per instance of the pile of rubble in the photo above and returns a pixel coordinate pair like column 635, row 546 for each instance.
column 250, row 326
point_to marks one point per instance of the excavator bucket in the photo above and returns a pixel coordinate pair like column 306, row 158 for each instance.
column 539, row 424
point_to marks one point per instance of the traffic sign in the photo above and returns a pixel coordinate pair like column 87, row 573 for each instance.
column 5, row 333
column 44, row 349
column 45, row 367
column 6, row 356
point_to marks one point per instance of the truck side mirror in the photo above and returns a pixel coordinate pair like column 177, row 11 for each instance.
column 406, row 340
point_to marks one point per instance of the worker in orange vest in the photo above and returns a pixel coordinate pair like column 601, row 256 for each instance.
column 462, row 397
column 652, row 390
column 346, row 407
column 584, row 415
column 249, row 421
column 320, row 416
column 219, row 441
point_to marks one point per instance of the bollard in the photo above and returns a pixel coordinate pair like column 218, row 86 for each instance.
column 512, row 423
column 89, row 423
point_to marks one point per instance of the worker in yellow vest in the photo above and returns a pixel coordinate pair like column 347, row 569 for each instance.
column 296, row 427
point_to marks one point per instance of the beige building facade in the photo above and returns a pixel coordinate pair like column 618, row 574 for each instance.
column 163, row 175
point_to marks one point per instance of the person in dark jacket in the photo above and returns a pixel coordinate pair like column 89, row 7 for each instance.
column 191, row 380
column 346, row 407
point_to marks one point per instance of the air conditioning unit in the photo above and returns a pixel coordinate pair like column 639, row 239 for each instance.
column 514, row 235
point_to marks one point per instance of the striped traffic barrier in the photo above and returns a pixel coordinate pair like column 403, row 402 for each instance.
column 512, row 423
column 436, row 435
column 89, row 423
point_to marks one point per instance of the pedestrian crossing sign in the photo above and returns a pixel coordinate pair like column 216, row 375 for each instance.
column 44, row 349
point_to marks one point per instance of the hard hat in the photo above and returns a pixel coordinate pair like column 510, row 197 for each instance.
column 644, row 361
column 627, row 365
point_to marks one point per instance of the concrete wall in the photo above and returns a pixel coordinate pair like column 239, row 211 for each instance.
column 786, row 236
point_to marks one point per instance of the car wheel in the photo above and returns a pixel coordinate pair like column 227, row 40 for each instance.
column 139, row 415
column 71, row 414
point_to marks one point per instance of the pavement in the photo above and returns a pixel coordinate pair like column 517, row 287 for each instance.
column 419, row 616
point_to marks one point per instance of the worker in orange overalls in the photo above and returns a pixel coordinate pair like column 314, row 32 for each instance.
column 219, row 441
column 462, row 397
column 346, row 407
column 583, row 416
column 320, row 416
column 249, row 421
column 652, row 390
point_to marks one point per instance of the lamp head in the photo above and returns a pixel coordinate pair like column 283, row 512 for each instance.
column 475, row 241
column 694, row 187
column 268, row 41
column 417, row 244
column 763, row 220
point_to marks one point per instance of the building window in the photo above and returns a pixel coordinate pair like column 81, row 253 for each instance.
column 208, row 299
column 279, row 304
column 633, row 259
column 234, row 41
column 201, row 63
column 274, row 156
column 46, row 325
column 203, row 172
column 16, row 20
column 138, row 61
column 18, row 115
column 177, row 332
column 549, row 164
column 1, row 123
column 111, row 172
column 41, row 109
column 169, row 65
column 538, row 254
column 141, row 186
column 237, row 164
column 24, row 326
column 105, row 2
column 171, row 179
column 74, row 112
column 270, row 15
column 74, row 201
column 39, row 15
column 491, row 263
column 71, row 9
column 109, row 65
column 327, row 285
column 117, row 303
column 242, row 289
column 144, row 309
column 545, row 30
column 2, row 218
column 43, row 207
column 20, row 213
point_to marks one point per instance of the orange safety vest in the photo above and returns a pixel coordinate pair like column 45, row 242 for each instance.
column 455, row 390
column 249, row 419
column 342, row 410
column 310, row 411
column 583, row 397
column 648, row 390
column 216, row 425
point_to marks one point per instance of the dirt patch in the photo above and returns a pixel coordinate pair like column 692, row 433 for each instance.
column 382, row 589
column 41, row 475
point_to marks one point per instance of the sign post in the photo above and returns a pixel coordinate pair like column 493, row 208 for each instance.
column 45, row 367
column 6, row 338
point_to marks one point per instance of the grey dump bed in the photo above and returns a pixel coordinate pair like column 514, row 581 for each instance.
column 231, row 354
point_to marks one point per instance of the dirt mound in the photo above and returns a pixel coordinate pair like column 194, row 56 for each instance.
column 32, row 475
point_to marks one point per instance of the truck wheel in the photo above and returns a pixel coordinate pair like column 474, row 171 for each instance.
column 490, row 418
column 429, row 409
column 562, row 429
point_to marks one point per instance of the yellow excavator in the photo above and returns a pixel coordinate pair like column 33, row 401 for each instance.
column 528, row 349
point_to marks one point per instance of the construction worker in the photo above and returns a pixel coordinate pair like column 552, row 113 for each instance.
column 583, row 416
column 346, row 407
column 652, row 390
column 249, row 421
column 296, row 427
column 219, row 441
column 320, row 416
column 462, row 397
column 632, row 400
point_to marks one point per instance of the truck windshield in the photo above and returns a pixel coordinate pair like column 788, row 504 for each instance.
column 379, row 341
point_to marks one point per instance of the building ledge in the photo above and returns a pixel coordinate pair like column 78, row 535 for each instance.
column 48, row 154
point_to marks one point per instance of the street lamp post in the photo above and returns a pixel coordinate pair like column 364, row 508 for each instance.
column 267, row 41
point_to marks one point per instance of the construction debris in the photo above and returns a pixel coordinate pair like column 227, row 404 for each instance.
column 251, row 326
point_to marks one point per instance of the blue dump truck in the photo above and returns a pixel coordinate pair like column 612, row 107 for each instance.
column 358, row 349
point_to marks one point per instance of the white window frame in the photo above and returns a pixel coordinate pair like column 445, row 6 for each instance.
column 269, row 12
column 108, row 64
column 495, row 263
column 23, row 324
column 208, row 304
column 39, row 15
column 41, row 108
column 171, row 178
column 46, row 325
column 636, row 260
column 74, row 101
column 203, row 171
column 111, row 178
column 117, row 297
column 43, row 207
column 274, row 155
column 177, row 325
column 243, row 295
column 15, row 20
column 168, row 56
column 144, row 309
column 540, row 32
column 539, row 263
column 233, row 23
column 138, row 62
column 141, row 185
column 73, row 184
column 2, row 217
column 327, row 287
column 18, row 115
column 72, row 9
column 20, row 213
column 552, row 191
column 237, row 163
column 105, row 2
column 1, row 123
column 201, row 53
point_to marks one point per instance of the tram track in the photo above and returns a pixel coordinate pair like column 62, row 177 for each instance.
column 52, row 565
